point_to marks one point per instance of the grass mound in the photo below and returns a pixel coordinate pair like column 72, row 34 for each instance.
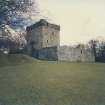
column 14, row 59
column 51, row 83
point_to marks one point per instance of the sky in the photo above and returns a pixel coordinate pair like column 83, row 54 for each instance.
column 80, row 20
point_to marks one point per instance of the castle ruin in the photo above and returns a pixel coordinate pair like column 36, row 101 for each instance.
column 43, row 42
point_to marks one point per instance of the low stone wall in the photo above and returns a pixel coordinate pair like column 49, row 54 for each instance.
column 49, row 53
column 66, row 53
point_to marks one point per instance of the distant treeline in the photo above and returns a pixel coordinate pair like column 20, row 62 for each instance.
column 98, row 47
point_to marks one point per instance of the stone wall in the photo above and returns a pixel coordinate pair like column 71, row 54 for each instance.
column 42, row 35
column 34, row 39
column 66, row 53
column 50, row 53
column 50, row 37
column 44, row 43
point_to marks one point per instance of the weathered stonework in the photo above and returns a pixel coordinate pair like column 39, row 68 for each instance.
column 42, row 35
column 80, row 54
column 34, row 40
column 44, row 43
column 49, row 53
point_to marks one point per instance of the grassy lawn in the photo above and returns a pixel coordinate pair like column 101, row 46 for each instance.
column 31, row 82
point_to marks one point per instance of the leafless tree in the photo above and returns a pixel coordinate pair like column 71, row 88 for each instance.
column 16, row 12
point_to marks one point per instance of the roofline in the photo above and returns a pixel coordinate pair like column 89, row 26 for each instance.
column 43, row 22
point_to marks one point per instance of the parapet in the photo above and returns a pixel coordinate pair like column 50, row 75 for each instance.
column 43, row 22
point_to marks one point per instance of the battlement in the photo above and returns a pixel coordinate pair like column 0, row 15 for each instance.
column 43, row 22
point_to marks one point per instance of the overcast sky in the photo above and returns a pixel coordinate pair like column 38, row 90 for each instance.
column 80, row 20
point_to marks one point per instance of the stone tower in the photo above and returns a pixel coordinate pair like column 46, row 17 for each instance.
column 42, row 35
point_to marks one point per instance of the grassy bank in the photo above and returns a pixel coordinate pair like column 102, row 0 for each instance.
column 35, row 82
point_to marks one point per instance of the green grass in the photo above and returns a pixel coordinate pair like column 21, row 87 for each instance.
column 14, row 59
column 35, row 82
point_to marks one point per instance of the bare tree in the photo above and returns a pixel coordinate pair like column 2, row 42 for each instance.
column 93, row 44
column 15, row 15
column 16, row 12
